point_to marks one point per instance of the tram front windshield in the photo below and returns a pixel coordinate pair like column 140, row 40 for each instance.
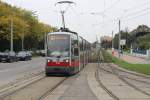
column 58, row 45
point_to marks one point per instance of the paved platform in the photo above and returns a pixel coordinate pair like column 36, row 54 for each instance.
column 120, row 88
column 85, row 86
column 80, row 87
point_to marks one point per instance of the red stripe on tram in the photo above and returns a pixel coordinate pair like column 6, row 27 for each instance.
column 60, row 64
column 74, row 63
column 63, row 64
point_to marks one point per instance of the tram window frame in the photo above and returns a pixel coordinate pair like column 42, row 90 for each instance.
column 74, row 41
column 76, row 51
column 74, row 45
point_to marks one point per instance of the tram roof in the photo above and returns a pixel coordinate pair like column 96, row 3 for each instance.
column 68, row 33
column 64, row 31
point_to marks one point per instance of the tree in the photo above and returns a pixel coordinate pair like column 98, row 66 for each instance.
column 25, row 24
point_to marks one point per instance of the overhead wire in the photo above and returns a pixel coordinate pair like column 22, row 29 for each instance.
column 137, row 6
column 137, row 16
column 137, row 12
column 114, row 4
column 127, row 17
column 105, row 9
column 130, row 14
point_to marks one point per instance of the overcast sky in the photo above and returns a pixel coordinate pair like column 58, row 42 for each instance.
column 91, row 17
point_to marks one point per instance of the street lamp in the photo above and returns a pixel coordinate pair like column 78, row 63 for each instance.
column 22, row 37
column 11, row 34
column 23, row 32
column 119, row 39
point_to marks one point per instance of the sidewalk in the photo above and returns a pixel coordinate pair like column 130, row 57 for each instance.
column 132, row 59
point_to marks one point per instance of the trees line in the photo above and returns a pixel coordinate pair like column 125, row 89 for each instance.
column 25, row 24
column 138, row 38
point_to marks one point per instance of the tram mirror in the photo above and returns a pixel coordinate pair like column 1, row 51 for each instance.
column 76, row 52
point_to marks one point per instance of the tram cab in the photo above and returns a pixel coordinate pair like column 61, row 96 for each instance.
column 62, row 53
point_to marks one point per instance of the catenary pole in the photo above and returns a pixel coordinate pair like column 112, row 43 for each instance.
column 119, row 47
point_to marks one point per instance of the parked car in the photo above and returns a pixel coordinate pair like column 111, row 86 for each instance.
column 1, row 54
column 8, row 56
column 24, row 55
column 43, row 53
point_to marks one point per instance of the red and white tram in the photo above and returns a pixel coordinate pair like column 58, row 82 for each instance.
column 67, row 53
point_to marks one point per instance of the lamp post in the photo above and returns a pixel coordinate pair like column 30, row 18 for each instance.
column 22, row 42
column 119, row 48
column 22, row 37
column 11, row 35
column 45, row 41
column 112, row 43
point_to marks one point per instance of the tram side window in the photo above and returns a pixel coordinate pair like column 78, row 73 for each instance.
column 75, row 43
column 76, row 52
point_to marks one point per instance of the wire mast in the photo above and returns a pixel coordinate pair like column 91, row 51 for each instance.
column 63, row 10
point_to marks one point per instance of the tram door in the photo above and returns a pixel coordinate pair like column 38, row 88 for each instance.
column 75, row 61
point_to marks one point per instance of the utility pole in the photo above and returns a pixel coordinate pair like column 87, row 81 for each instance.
column 112, row 40
column 11, row 35
column 22, row 40
column 119, row 47
column 45, row 42
column 112, row 43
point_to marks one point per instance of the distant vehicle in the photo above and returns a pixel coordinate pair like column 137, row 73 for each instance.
column 43, row 53
column 1, row 54
column 30, row 51
column 8, row 56
column 24, row 55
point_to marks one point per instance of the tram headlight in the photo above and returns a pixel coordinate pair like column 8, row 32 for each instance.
column 66, row 60
column 49, row 60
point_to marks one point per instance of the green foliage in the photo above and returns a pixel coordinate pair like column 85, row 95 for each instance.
column 25, row 23
column 106, row 57
column 139, row 38
column 124, row 35
column 144, row 41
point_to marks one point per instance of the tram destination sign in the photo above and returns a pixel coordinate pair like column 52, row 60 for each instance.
column 58, row 37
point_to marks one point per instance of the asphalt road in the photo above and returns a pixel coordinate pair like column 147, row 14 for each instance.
column 13, row 71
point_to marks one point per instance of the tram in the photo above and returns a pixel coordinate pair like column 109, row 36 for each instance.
column 67, row 53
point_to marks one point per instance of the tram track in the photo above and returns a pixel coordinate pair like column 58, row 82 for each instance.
column 111, row 92
column 127, row 82
column 131, row 72
column 44, row 95
column 39, row 89
column 97, row 76
column 124, row 78
column 138, row 80
column 103, row 86
column 128, row 79
column 11, row 88
column 21, row 79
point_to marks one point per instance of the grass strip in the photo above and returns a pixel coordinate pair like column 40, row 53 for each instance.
column 141, row 68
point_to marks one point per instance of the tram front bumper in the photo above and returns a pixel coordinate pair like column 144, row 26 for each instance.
column 57, row 70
